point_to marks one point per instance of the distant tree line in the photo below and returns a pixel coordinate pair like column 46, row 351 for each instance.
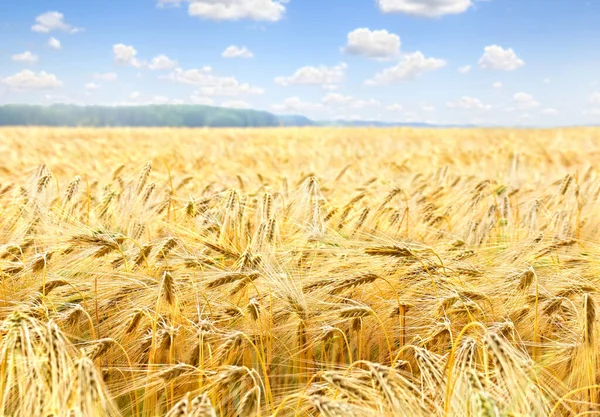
column 146, row 115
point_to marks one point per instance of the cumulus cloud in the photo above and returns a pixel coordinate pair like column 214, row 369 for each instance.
column 162, row 62
column 50, row 21
column 237, row 52
column 497, row 58
column 320, row 76
column 159, row 100
column 136, row 99
column 211, row 84
column 92, row 86
column 295, row 104
column 266, row 10
column 163, row 100
column 497, row 84
column 524, row 101
column 379, row 44
column 465, row 69
column 468, row 103
column 595, row 98
column 62, row 99
column 107, row 76
column 29, row 80
column 26, row 56
column 56, row 98
column 198, row 98
column 394, row 107
column 337, row 99
column 331, row 104
column 126, row 55
column 425, row 8
column 54, row 43
column 428, row 108
column 410, row 67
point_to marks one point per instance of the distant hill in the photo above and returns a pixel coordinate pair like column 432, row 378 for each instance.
column 296, row 120
column 183, row 115
column 148, row 115
column 372, row 123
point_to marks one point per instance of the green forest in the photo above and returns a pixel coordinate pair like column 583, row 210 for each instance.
column 147, row 115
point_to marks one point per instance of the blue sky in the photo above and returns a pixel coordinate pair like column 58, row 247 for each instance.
column 497, row 62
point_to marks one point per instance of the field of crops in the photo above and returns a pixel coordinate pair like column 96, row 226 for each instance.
column 299, row 272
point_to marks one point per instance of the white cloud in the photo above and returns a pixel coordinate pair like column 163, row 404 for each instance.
column 465, row 69
column 92, row 86
column 546, row 81
column 468, row 103
column 162, row 62
column 498, row 58
column 237, row 52
column 25, row 57
column 229, row 86
column 497, row 84
column 595, row 98
column 394, row 107
column 425, row 8
column 336, row 99
column 157, row 100
column 524, row 101
column 160, row 100
column 126, row 55
column 331, row 104
column 211, row 84
column 198, row 98
column 29, row 80
column 107, row 76
column 268, row 10
column 550, row 112
column 372, row 44
column 236, row 104
column 176, row 101
column 49, row 21
column 54, row 43
column 428, row 108
column 294, row 104
column 352, row 117
column 411, row 66
column 57, row 98
column 322, row 75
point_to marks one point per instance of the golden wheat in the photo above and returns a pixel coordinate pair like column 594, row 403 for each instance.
column 292, row 272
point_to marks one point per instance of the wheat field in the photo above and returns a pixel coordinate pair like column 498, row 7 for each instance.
column 299, row 272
